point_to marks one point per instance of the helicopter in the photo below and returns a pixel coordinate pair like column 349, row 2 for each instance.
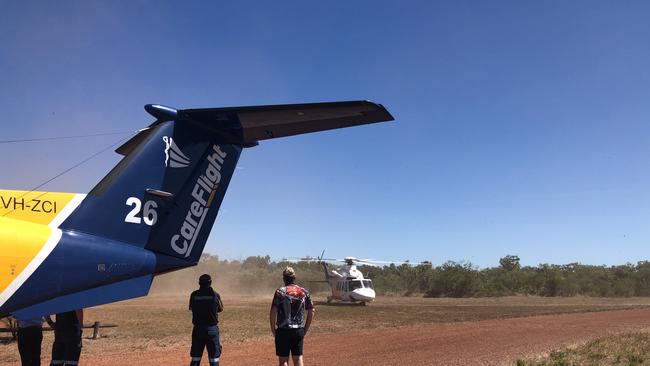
column 346, row 282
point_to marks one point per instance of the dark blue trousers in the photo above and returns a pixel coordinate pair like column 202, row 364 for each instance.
column 29, row 345
column 205, row 338
column 66, row 348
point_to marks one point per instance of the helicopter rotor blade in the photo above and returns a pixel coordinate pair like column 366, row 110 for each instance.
column 359, row 261
column 305, row 259
column 380, row 263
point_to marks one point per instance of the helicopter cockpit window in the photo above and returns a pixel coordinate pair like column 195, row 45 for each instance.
column 367, row 284
column 355, row 285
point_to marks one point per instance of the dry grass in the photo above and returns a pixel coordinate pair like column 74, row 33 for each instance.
column 159, row 321
column 629, row 349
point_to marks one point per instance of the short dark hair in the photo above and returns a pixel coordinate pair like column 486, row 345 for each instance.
column 205, row 280
column 288, row 280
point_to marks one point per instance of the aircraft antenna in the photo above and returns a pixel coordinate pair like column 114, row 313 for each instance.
column 121, row 140
column 54, row 138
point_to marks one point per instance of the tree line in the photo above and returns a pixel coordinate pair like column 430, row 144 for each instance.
column 259, row 274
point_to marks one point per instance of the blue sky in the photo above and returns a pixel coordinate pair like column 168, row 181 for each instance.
column 522, row 126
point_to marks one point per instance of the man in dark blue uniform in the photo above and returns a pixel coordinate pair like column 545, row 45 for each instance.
column 205, row 303
column 287, row 319
column 30, row 337
column 67, row 338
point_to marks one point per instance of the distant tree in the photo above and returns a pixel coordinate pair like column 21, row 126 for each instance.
column 257, row 261
column 642, row 279
column 510, row 262
column 207, row 256
column 454, row 279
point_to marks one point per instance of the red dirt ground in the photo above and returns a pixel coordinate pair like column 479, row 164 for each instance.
column 489, row 342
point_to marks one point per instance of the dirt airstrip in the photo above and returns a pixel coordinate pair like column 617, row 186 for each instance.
column 489, row 342
column 393, row 331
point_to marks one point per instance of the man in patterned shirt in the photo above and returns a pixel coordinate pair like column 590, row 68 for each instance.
column 287, row 319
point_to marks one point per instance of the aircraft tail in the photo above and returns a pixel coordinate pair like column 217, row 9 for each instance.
column 165, row 193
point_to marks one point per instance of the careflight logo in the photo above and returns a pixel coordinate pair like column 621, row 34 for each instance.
column 203, row 193
column 174, row 157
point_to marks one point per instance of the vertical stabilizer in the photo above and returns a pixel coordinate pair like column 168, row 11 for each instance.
column 165, row 193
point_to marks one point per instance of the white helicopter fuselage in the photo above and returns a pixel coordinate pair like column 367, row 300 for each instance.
column 348, row 284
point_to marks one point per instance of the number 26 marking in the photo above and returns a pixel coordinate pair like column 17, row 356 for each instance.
column 149, row 213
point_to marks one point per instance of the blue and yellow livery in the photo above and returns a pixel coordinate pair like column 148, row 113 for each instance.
column 150, row 215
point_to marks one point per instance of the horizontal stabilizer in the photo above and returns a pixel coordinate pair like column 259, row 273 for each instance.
column 267, row 122
column 118, row 291
column 245, row 126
